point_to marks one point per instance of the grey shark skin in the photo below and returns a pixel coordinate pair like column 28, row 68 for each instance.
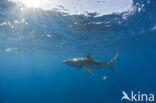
column 87, row 62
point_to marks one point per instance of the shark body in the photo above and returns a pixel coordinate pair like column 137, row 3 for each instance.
column 87, row 63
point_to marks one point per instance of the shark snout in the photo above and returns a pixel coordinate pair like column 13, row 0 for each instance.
column 65, row 61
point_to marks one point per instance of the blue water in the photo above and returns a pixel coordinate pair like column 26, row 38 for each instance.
column 31, row 55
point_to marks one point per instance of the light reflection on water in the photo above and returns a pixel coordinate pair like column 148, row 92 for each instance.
column 101, row 7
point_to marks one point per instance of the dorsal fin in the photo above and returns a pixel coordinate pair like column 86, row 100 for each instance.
column 89, row 56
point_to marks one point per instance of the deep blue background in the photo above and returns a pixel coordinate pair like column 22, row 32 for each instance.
column 34, row 73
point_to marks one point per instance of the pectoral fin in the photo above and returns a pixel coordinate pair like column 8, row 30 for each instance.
column 87, row 70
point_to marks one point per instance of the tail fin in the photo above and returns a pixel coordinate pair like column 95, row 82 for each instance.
column 111, row 62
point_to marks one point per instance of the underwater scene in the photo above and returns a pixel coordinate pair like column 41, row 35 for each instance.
column 77, row 51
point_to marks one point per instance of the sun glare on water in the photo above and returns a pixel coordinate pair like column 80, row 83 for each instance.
column 73, row 7
column 32, row 3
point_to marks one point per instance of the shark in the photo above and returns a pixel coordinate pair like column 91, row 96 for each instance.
column 87, row 63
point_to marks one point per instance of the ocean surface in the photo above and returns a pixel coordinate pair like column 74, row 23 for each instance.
column 34, row 42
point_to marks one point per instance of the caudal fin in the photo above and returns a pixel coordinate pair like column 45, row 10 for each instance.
column 111, row 62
